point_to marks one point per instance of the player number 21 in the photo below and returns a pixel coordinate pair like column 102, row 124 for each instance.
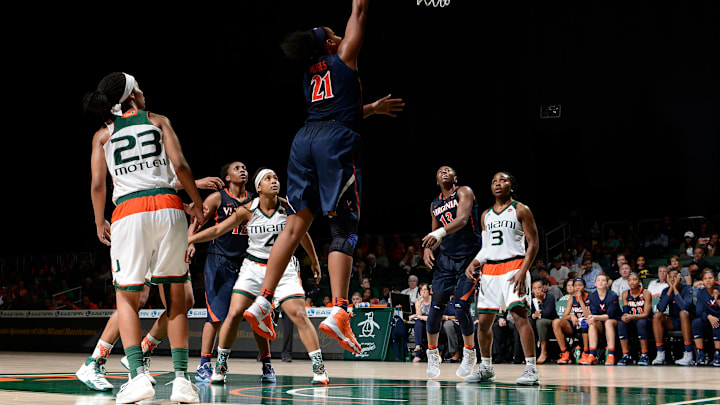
column 321, row 87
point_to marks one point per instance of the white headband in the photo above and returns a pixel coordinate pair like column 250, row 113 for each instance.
column 260, row 176
column 129, row 86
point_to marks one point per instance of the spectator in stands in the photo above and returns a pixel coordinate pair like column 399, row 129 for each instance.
column 397, row 249
column 369, row 297
column 620, row 284
column 535, row 268
column 381, row 257
column 602, row 259
column 678, row 298
column 708, row 318
column 612, row 244
column 567, row 259
column 308, row 302
column 543, row 274
column 365, row 284
column 580, row 250
column 451, row 331
column 362, row 270
column 411, row 260
column 657, row 286
column 703, row 237
column 641, row 268
column 384, row 298
column 85, row 303
column 675, row 263
column 413, row 289
column 614, row 272
column 657, row 240
column 693, row 271
column 506, row 346
column 635, row 319
column 604, row 314
column 327, row 302
column 687, row 246
column 712, row 247
column 577, row 308
column 422, row 310
column 559, row 271
column 568, row 290
column 588, row 273
column 355, row 299
column 542, row 314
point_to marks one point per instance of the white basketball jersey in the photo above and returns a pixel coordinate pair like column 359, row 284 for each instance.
column 263, row 229
column 135, row 156
column 505, row 233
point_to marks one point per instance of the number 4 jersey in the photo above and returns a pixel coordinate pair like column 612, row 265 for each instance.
column 136, row 157
column 263, row 229
column 505, row 233
column 468, row 240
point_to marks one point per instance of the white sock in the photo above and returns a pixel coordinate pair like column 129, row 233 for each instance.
column 180, row 374
column 98, row 352
column 530, row 362
column 486, row 361
column 223, row 354
column 316, row 356
column 152, row 339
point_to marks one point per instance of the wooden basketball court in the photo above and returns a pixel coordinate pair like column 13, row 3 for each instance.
column 32, row 378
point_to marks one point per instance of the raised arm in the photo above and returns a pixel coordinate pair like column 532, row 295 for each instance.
column 354, row 34
column 385, row 105
column 98, row 190
column 241, row 215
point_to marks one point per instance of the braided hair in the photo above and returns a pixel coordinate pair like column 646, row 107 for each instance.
column 108, row 93
column 513, row 184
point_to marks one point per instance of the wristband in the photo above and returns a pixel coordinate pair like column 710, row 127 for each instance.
column 439, row 233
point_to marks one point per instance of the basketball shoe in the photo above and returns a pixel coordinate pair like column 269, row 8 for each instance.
column 337, row 326
column 260, row 317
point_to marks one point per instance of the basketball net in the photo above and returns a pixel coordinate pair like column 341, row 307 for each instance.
column 434, row 3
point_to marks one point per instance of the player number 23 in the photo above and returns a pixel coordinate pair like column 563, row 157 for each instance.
column 321, row 87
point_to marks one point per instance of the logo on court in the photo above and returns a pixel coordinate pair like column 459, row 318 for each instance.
column 368, row 325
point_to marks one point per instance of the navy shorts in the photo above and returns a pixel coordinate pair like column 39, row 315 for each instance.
column 449, row 279
column 324, row 172
column 220, row 274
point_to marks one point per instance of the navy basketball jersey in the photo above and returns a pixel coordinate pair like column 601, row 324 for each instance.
column 468, row 240
column 576, row 309
column 232, row 244
column 635, row 305
column 333, row 91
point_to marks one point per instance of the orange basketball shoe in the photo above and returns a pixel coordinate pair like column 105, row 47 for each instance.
column 260, row 317
column 337, row 326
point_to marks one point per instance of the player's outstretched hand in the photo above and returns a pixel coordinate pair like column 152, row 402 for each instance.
column 430, row 242
column 317, row 271
column 471, row 271
column 210, row 183
column 428, row 258
column 103, row 232
column 388, row 106
column 196, row 213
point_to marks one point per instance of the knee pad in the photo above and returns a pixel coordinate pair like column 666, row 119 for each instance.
column 462, row 313
column 344, row 235
column 434, row 319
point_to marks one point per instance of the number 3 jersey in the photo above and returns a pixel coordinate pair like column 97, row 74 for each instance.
column 135, row 155
column 504, row 233
column 464, row 242
column 263, row 229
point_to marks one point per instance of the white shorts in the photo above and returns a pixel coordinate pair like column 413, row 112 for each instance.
column 252, row 274
column 496, row 292
column 149, row 246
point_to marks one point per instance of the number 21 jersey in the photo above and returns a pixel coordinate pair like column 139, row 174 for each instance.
column 505, row 233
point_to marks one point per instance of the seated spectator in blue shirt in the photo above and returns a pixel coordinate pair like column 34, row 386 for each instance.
column 678, row 298
column 708, row 317
column 588, row 273
column 541, row 316
column 605, row 312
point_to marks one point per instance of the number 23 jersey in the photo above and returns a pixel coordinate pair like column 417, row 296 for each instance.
column 505, row 233
column 263, row 229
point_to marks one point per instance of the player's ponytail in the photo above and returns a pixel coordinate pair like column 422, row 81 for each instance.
column 108, row 93
column 304, row 46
